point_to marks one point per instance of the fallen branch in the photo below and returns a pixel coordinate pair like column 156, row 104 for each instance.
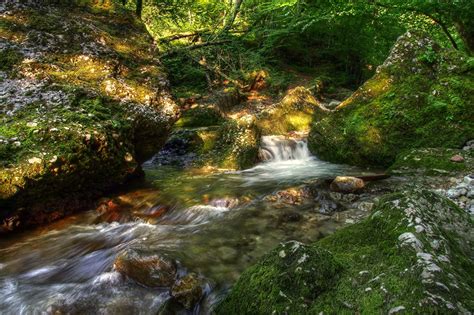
column 174, row 37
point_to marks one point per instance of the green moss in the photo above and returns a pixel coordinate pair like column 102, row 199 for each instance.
column 234, row 145
column 284, row 281
column 432, row 161
column 199, row 117
column 408, row 104
column 9, row 58
column 380, row 269
column 294, row 113
column 87, row 142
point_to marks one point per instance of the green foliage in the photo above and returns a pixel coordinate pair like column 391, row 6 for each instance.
column 403, row 107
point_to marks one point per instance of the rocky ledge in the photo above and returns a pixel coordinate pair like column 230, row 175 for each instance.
column 421, row 97
column 83, row 102
column 413, row 254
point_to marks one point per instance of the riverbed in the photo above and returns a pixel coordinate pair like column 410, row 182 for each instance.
column 214, row 224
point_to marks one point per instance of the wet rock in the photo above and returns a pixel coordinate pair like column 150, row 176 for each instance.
column 188, row 291
column 346, row 184
column 343, row 197
column 110, row 210
column 149, row 270
column 366, row 206
column 326, row 206
column 291, row 196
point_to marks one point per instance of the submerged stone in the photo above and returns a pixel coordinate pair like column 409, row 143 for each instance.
column 188, row 291
column 149, row 270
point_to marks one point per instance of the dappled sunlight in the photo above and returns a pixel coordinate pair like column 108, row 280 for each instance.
column 373, row 88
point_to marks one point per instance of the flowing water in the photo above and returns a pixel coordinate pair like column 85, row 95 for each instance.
column 214, row 225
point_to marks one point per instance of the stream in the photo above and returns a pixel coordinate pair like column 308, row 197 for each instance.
column 214, row 225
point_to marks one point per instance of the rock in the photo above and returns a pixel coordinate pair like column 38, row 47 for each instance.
column 396, row 310
column 225, row 202
column 294, row 113
column 326, row 207
column 469, row 180
column 149, row 270
column 346, row 184
column 366, row 206
column 357, row 134
column 100, row 114
column 290, row 196
column 188, row 291
column 110, row 210
column 469, row 146
column 453, row 193
column 457, row 158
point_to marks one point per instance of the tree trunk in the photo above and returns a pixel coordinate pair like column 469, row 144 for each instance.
column 233, row 14
column 139, row 8
column 467, row 35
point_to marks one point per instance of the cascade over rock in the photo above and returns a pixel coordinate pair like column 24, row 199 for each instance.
column 280, row 148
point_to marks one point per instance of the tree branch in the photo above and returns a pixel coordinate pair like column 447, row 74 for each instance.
column 433, row 18
column 196, row 46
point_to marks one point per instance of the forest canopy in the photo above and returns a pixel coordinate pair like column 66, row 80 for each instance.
column 346, row 37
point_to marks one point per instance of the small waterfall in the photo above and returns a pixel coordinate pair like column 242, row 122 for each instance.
column 280, row 148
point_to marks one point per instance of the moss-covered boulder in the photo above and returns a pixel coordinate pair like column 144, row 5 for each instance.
column 200, row 116
column 293, row 113
column 284, row 281
column 433, row 161
column 422, row 96
column 234, row 145
column 413, row 255
column 83, row 103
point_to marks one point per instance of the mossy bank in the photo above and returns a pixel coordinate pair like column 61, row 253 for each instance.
column 422, row 96
column 413, row 255
column 84, row 101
